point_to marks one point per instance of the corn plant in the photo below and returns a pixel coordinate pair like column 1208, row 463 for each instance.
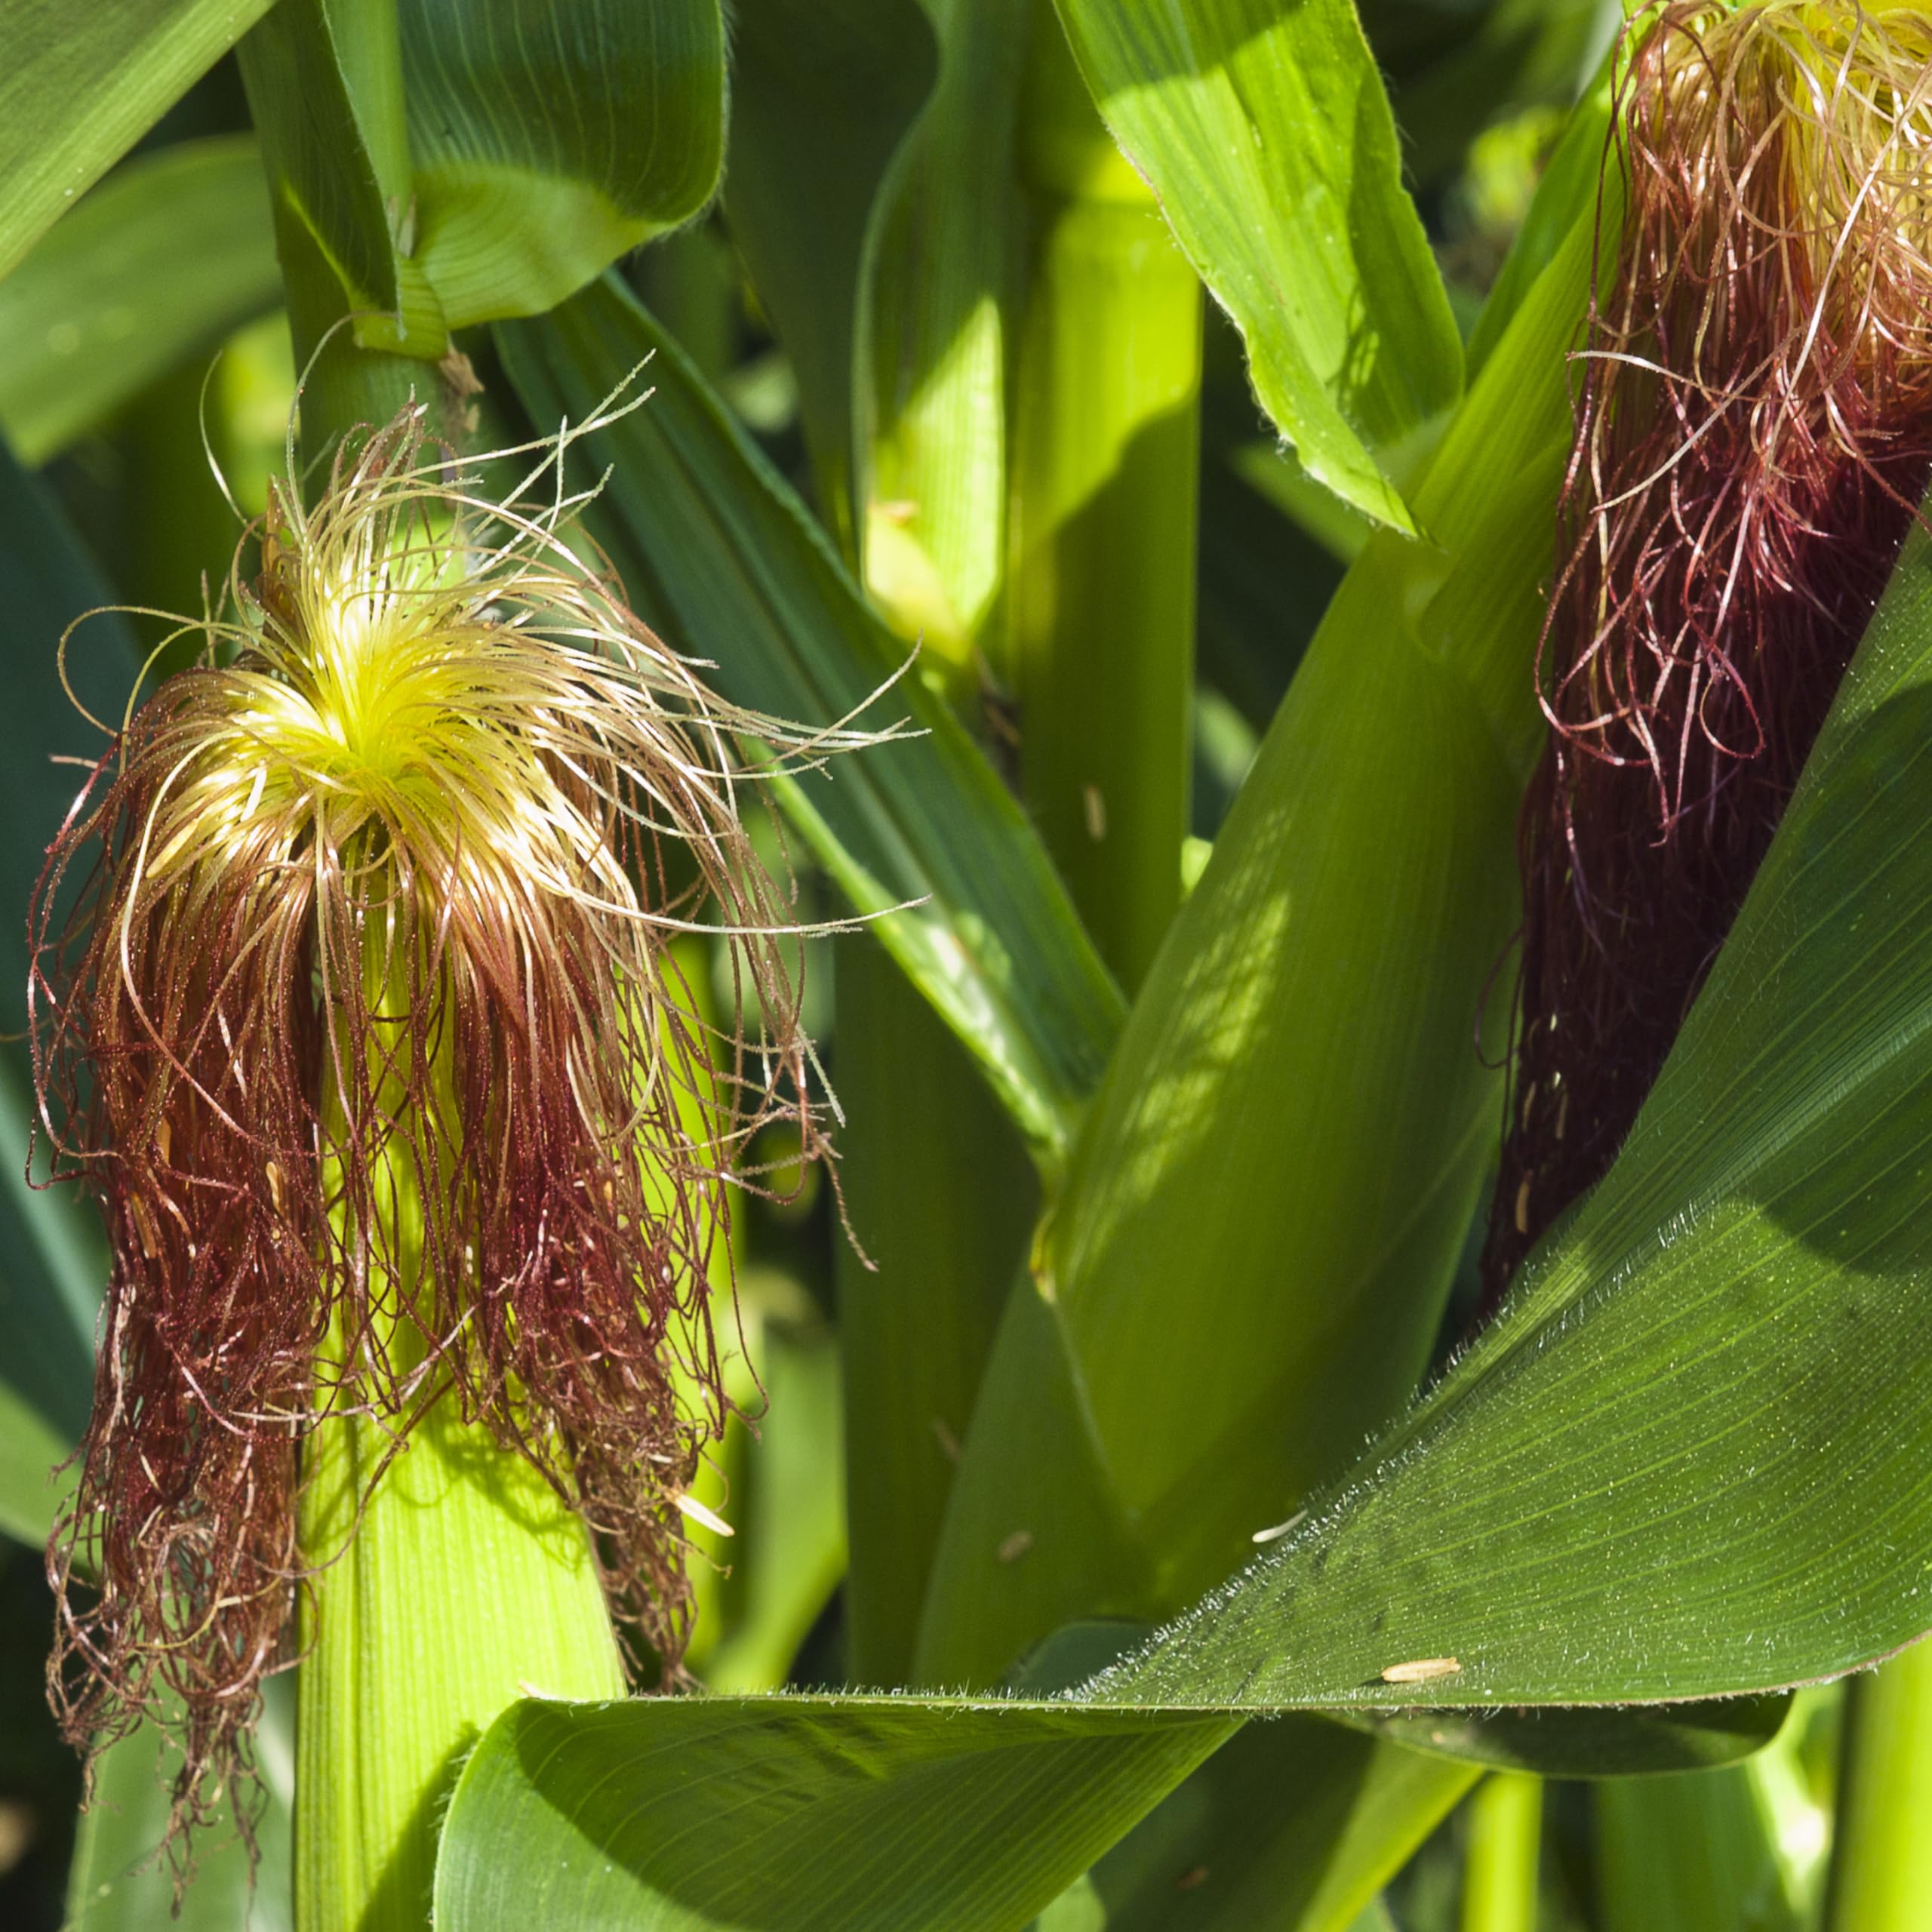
column 968, row 964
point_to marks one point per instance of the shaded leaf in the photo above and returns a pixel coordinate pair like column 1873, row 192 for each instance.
column 845, row 78
column 159, row 265
column 876, row 1812
column 842, row 1812
column 119, row 1881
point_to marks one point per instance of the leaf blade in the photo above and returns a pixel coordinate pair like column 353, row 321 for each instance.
column 161, row 264
column 79, row 86
column 1266, row 134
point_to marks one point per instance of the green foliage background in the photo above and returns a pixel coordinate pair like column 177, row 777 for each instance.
column 1161, row 409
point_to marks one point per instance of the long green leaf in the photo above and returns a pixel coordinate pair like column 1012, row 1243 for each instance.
column 1691, row 1853
column 1265, row 132
column 790, row 1515
column 833, row 1813
column 80, row 85
column 1290, row 1823
column 718, row 550
column 160, row 264
column 866, row 1813
column 52, row 1258
column 1692, row 1456
column 120, row 1881
column 941, row 1200
column 1247, row 1269
column 935, row 326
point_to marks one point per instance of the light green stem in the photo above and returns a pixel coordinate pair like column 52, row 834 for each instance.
column 940, row 1194
column 467, row 1583
column 1499, row 1869
column 1101, row 522
column 1881, row 1857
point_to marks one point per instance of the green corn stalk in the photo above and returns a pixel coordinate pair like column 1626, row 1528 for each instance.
column 1106, row 473
column 1500, row 1854
column 1881, row 1855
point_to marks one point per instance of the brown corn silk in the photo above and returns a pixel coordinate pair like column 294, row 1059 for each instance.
column 381, row 909
column 1754, row 432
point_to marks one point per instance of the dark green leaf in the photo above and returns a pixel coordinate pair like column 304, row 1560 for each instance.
column 80, row 85
column 53, row 1261
column 160, row 264
column 1606, row 1742
column 719, row 551
column 941, row 1201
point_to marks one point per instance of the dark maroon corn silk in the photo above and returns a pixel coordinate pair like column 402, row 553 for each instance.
column 294, row 965
column 1753, row 434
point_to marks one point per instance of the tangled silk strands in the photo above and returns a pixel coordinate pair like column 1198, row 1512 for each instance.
column 1753, row 434
column 383, row 906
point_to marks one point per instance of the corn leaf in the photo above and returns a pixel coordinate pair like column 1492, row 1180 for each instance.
column 159, row 265
column 718, row 550
column 778, row 1814
column 337, row 154
column 936, row 315
column 1264, row 130
column 1691, row 1457
column 80, row 85
column 1691, row 1853
column 1247, row 1267
column 788, row 1513
column 444, row 162
column 864, row 1813
column 546, row 143
column 53, row 1261
column 941, row 1200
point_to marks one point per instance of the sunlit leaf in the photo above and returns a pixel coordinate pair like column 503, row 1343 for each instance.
column 1265, row 132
